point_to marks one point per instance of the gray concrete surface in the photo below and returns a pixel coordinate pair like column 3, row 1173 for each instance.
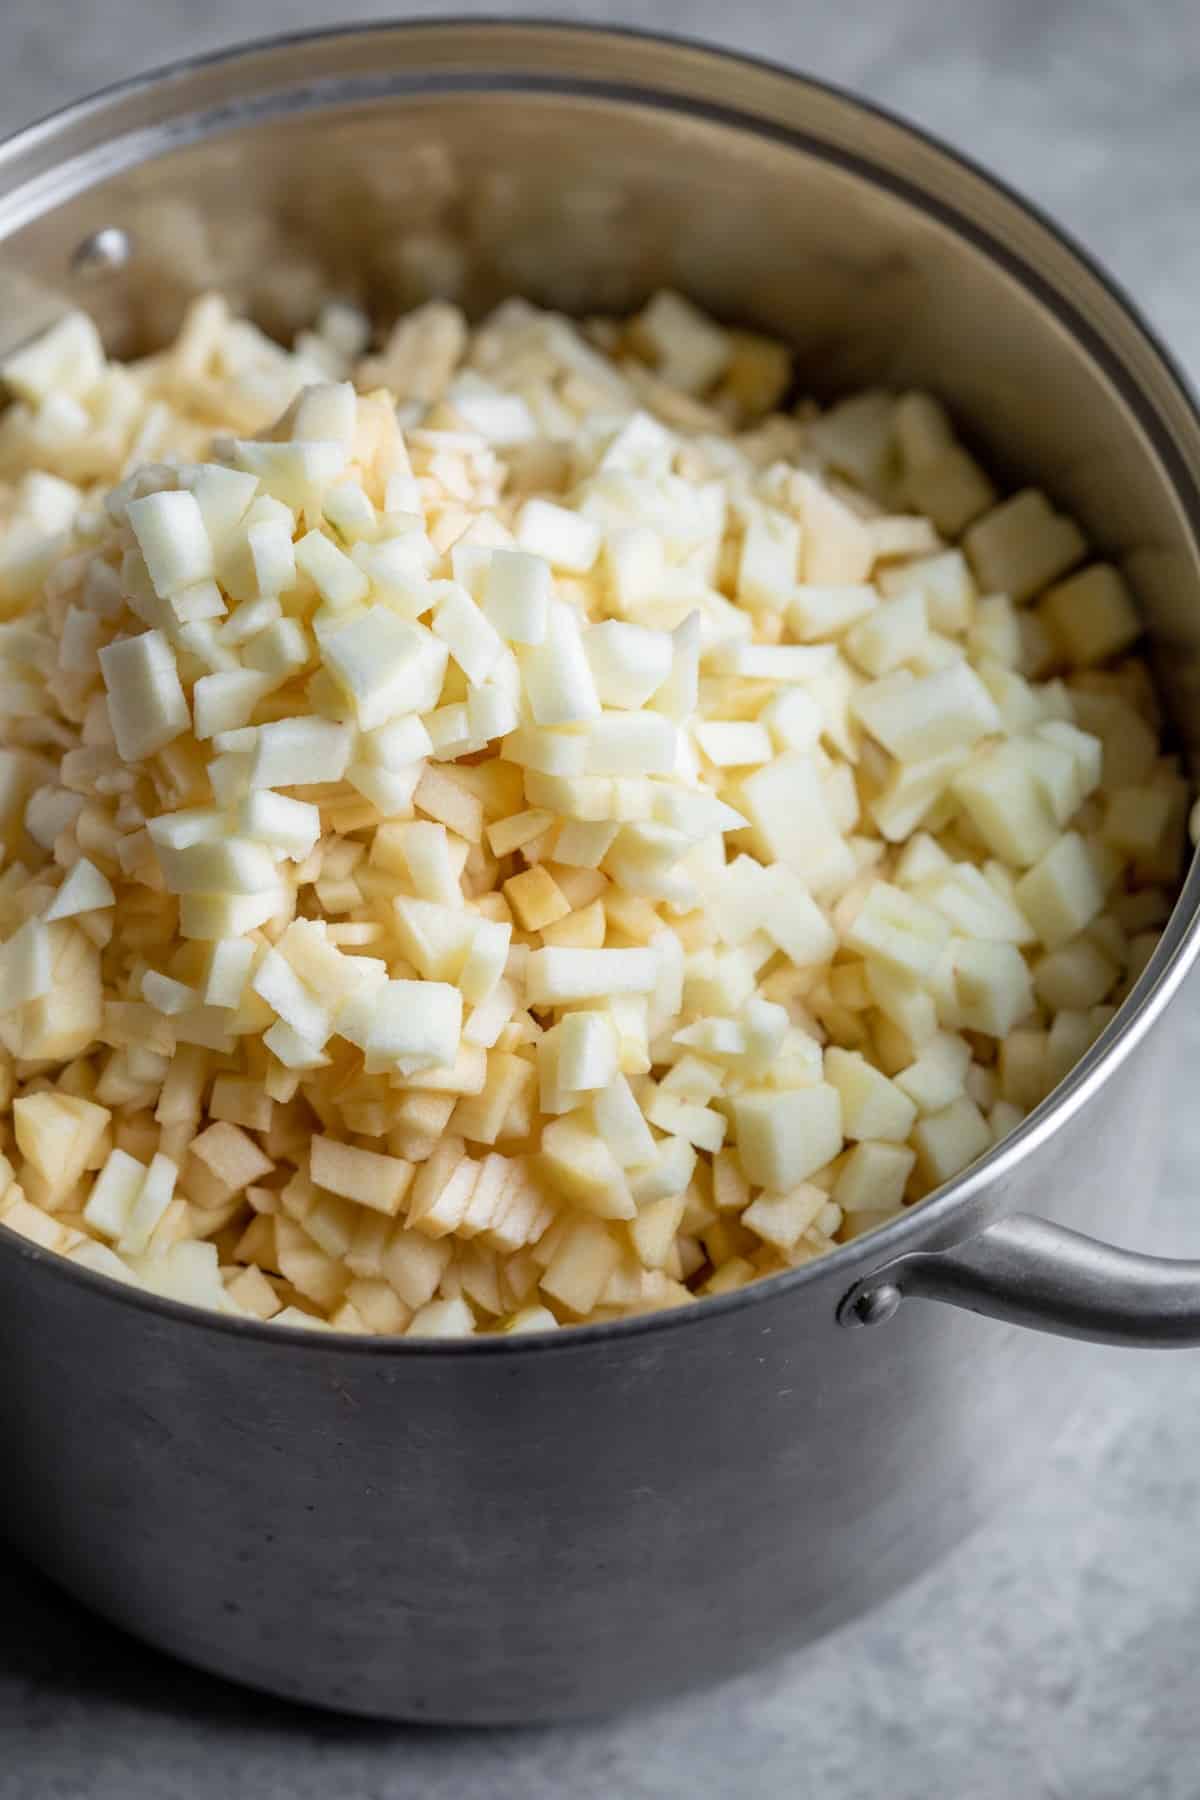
column 1056, row 1657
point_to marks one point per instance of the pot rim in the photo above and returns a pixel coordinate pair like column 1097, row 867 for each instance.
column 1179, row 945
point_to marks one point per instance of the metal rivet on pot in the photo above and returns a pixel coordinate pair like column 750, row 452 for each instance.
column 102, row 252
column 872, row 1305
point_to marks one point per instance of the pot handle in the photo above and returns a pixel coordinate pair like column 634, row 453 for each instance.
column 1027, row 1271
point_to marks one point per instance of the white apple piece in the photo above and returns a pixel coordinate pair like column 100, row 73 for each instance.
column 171, row 535
column 86, row 889
column 146, row 702
column 517, row 595
column 564, row 539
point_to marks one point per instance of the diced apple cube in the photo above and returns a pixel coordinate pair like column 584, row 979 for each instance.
column 948, row 710
column 554, row 977
column 677, row 696
column 276, row 982
column 68, row 358
column 652, row 1232
column 580, row 1166
column 26, row 965
column 226, row 701
column 365, row 1176
column 84, row 890
column 236, row 866
column 581, row 1266
column 300, row 752
column 947, row 1141
column 1074, row 977
column 698, row 1125
column 890, row 635
column 785, row 1137
column 171, row 535
column 734, row 743
column 146, row 702
column 517, row 596
column 689, row 350
column 289, row 827
column 1061, row 894
column 558, row 681
column 471, row 639
column 566, row 540
column 666, row 1173
column 782, row 1219
column 992, row 987
column 1092, row 615
column 415, row 1023
column 1007, row 805
column 873, row 1178
column 622, row 1124
column 769, row 562
column 1021, row 545
column 155, row 1194
column 872, row 1106
column 789, row 815
column 113, row 1193
column 336, row 577
column 327, row 411
column 385, row 665
column 950, row 489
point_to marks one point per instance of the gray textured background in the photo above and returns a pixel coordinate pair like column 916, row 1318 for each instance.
column 1057, row 1655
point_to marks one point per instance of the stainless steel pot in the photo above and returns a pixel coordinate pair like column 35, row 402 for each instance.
column 528, row 1530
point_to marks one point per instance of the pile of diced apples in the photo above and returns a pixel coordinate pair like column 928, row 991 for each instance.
column 538, row 832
